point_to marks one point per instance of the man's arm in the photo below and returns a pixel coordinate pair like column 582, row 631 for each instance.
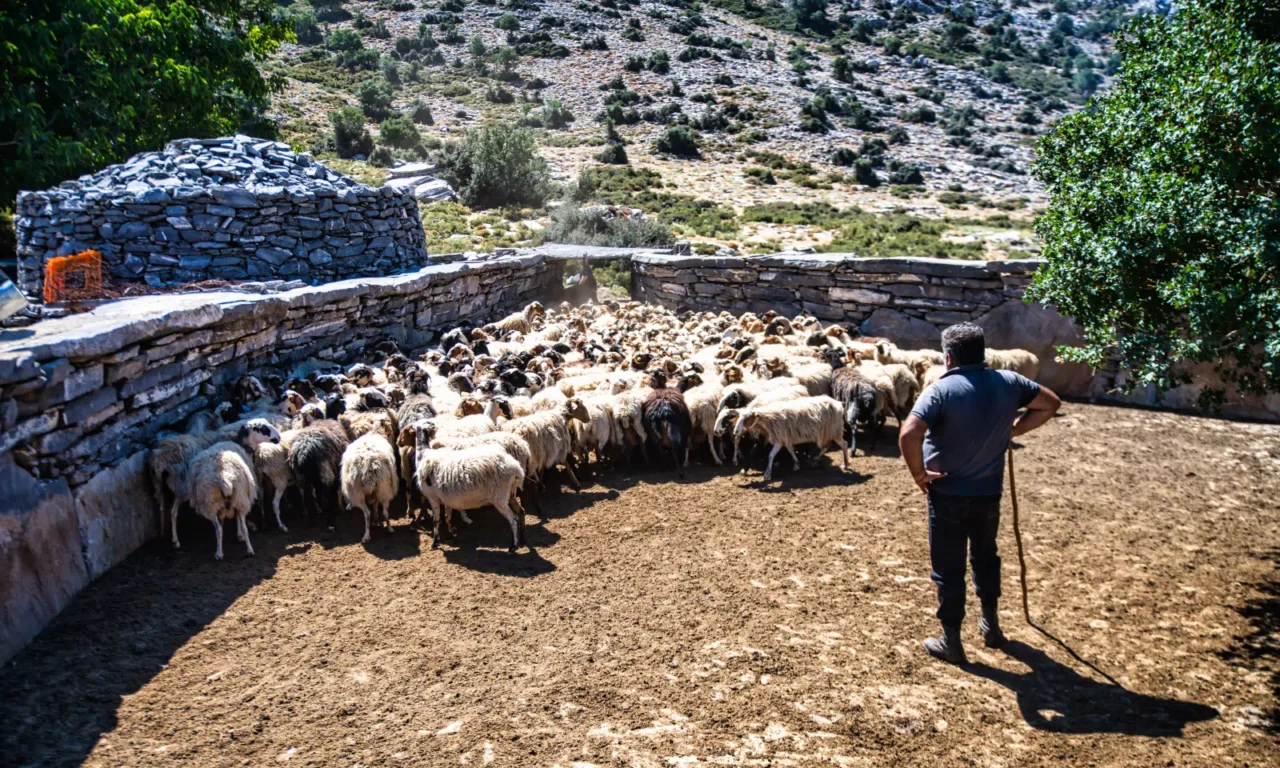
column 1039, row 410
column 911, row 445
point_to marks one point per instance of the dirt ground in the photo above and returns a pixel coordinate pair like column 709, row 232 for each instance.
column 711, row 621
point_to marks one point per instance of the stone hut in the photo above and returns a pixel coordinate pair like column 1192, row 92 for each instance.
column 233, row 208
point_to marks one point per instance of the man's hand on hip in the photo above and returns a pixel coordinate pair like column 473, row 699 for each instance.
column 924, row 478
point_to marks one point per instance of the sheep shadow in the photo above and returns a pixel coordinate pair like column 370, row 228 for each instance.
column 788, row 480
column 526, row 563
column 63, row 691
column 1258, row 650
column 1055, row 698
column 401, row 544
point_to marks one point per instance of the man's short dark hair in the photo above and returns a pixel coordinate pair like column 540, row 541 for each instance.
column 965, row 343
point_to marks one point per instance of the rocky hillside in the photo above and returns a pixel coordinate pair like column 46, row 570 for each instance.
column 921, row 109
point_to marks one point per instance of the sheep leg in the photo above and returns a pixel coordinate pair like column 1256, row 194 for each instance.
column 711, row 441
column 364, row 508
column 795, row 460
column 242, row 523
column 275, row 503
column 844, row 451
column 386, row 516
column 465, row 518
column 573, row 480
column 217, row 534
column 435, row 525
column 768, row 470
column 505, row 508
column 173, row 521
column 519, row 510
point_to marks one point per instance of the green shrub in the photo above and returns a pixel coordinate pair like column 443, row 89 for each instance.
column 420, row 113
column 494, row 166
column 390, row 72
column 659, row 62
column 892, row 45
column 399, row 132
column 864, row 173
column 454, row 90
column 596, row 43
column 365, row 58
column 679, row 140
column 906, row 174
column 303, row 20
column 344, row 39
column 724, row 79
column 555, row 114
column 613, row 154
column 381, row 157
column 899, row 135
column 496, row 94
column 349, row 135
column 843, row 156
column 920, row 114
column 375, row 98
column 570, row 224
column 759, row 176
column 633, row 34
column 508, row 22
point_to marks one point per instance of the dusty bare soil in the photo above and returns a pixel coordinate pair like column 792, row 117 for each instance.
column 711, row 621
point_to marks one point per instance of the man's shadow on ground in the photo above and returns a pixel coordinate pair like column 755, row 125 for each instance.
column 1055, row 698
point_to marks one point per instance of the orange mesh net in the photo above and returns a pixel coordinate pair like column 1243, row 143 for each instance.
column 73, row 278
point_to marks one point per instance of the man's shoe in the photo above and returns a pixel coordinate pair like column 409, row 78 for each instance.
column 946, row 647
column 989, row 628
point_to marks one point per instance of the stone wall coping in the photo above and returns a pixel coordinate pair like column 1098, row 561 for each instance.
column 561, row 252
column 842, row 261
column 117, row 324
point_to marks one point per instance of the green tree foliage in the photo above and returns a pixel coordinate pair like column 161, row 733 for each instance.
column 1163, row 234
column 399, row 132
column 679, row 140
column 496, row 166
column 85, row 83
column 349, row 136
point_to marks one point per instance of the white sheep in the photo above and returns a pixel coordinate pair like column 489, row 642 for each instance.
column 369, row 480
column 787, row 424
column 470, row 478
column 547, row 433
column 221, row 481
column 271, row 460
column 594, row 432
column 703, row 401
column 1016, row 360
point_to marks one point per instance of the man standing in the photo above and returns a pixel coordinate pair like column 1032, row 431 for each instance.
column 954, row 443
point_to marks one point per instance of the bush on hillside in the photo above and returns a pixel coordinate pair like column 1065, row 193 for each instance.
column 575, row 226
column 495, row 166
column 399, row 132
column 349, row 135
column 679, row 140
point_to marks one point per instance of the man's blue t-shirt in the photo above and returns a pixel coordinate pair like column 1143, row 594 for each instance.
column 970, row 413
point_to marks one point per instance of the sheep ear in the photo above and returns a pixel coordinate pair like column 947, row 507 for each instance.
column 243, row 434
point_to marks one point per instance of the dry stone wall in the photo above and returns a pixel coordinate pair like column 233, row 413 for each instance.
column 908, row 301
column 83, row 397
column 232, row 208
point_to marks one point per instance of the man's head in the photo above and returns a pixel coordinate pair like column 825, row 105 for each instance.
column 964, row 344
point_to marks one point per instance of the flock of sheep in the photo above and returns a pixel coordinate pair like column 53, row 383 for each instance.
column 486, row 417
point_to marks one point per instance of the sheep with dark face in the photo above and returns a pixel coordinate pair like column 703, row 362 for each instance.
column 315, row 456
column 667, row 422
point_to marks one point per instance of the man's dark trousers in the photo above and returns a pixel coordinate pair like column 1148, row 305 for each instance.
column 957, row 523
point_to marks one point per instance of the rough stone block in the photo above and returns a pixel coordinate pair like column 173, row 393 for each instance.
column 116, row 513
column 41, row 566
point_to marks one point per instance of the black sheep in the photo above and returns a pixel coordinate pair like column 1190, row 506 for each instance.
column 667, row 422
column 315, row 456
